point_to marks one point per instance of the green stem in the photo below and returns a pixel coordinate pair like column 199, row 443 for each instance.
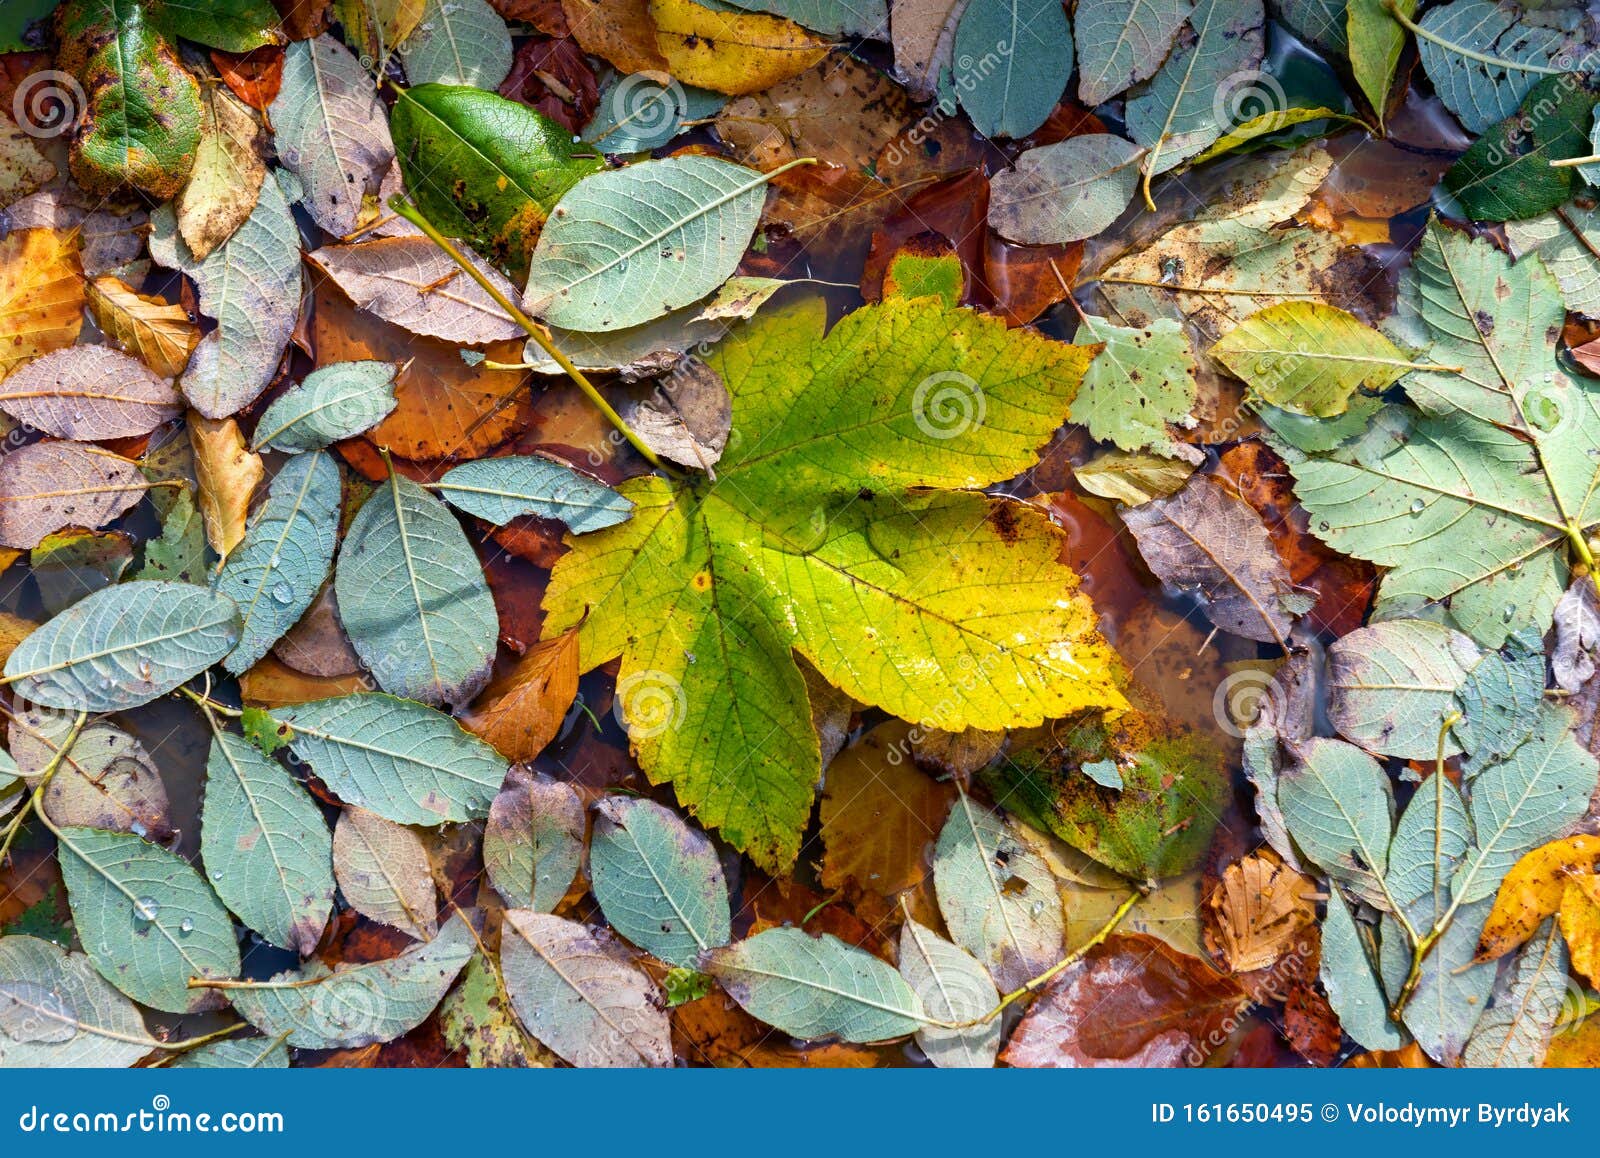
column 208, row 705
column 1422, row 946
column 535, row 331
column 36, row 801
column 1461, row 50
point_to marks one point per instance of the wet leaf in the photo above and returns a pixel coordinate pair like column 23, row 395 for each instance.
column 1141, row 380
column 1477, row 92
column 56, row 1011
column 105, row 779
column 1450, row 998
column 533, row 841
column 46, row 486
column 1262, row 907
column 1121, row 42
column 266, row 848
column 251, row 1053
column 1392, row 685
column 382, row 870
column 1532, row 890
column 1065, row 192
column 1014, row 59
column 658, row 881
column 458, row 42
column 1339, row 807
column 952, row 987
column 1354, row 988
column 1565, row 240
column 228, row 473
column 402, row 760
column 159, row 334
column 504, row 488
column 412, row 283
column 727, row 50
column 227, row 175
column 334, row 402
column 41, row 295
column 89, row 393
column 1507, row 173
column 1516, row 1030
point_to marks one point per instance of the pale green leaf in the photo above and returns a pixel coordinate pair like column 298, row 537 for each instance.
column 413, row 598
column 124, row 646
column 506, row 487
column 1066, row 191
column 1391, row 686
column 1339, row 807
column 1375, row 40
column 1516, row 1030
column 1265, row 125
column 1452, row 991
column 1478, row 92
column 1012, row 60
column 265, row 845
column 1501, row 700
column 1567, row 241
column 148, row 921
column 1142, row 380
column 56, row 1012
column 533, row 841
column 400, row 759
column 250, row 1053
column 952, row 987
column 458, row 42
column 658, row 881
column 1121, row 42
column 1354, row 990
column 334, row 402
column 275, row 572
column 1430, row 840
column 816, row 987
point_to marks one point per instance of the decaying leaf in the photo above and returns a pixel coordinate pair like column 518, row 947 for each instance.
column 159, row 333
column 229, row 473
column 1261, row 907
column 41, row 295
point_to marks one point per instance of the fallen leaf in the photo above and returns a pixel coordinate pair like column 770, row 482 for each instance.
column 41, row 295
column 1261, row 906
column 89, row 393
column 1532, row 891
column 160, row 334
column 412, row 283
column 729, row 50
column 49, row 485
column 382, row 870
column 522, row 709
column 228, row 473
column 227, row 175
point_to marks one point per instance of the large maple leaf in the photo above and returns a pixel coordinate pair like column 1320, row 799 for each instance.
column 846, row 524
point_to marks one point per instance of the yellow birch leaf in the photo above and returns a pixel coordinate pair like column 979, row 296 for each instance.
column 731, row 52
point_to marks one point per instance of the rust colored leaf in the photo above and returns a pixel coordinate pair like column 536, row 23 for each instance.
column 553, row 77
column 619, row 31
column 274, row 684
column 521, row 710
column 253, row 76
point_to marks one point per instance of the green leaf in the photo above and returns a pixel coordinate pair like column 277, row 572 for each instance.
column 231, row 25
column 1500, row 702
column 330, row 130
column 952, row 986
column 356, row 1005
column 1530, row 797
column 506, row 487
column 1120, row 42
column 811, row 539
column 1354, row 991
column 1507, row 173
column 124, row 646
column 180, row 552
column 1013, row 60
column 1142, row 380
column 1478, row 92
column 1452, row 991
column 1177, row 113
column 274, row 574
column 250, row 1053
column 413, row 599
column 250, row 284
column 1429, row 842
column 145, row 917
column 141, row 128
column 1309, row 358
column 861, row 18
column 1065, row 192
column 1392, row 686
column 580, row 993
column 998, row 897
column 334, row 402
column 1320, row 23
column 816, row 987
column 1376, row 40
column 631, row 244
column 56, row 1012
column 402, row 760
column 266, row 733
column 476, row 1018
column 1339, row 807
column 1516, row 1030
column 265, row 845
column 1566, row 241
column 658, row 881
column 483, row 167
column 533, row 841
column 462, row 42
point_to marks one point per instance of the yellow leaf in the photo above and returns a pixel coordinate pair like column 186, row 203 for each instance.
column 1261, row 906
column 1580, row 924
column 1533, row 890
column 158, row 333
column 228, row 473
column 520, row 712
column 731, row 52
column 41, row 295
column 13, row 628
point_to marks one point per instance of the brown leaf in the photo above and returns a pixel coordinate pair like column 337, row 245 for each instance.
column 619, row 31
column 160, row 334
column 50, row 485
column 1205, row 540
column 105, row 240
column 274, row 684
column 880, row 814
column 521, row 711
column 303, row 19
column 1132, row 1001
column 383, row 872
column 317, row 645
column 553, row 77
column 89, row 393
column 22, row 168
column 254, row 76
column 41, row 295
column 105, row 780
column 227, row 175
column 1261, row 906
column 843, row 115
column 228, row 473
column 412, row 283
column 443, row 407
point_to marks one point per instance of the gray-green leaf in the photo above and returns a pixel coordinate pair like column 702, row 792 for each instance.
column 1121, row 42
column 1339, row 807
column 1477, row 92
column 265, row 845
column 1392, row 686
column 1353, row 987
column 1429, row 842
column 1452, row 992
column 458, row 42
column 1142, row 380
column 1066, row 191
column 533, row 841
column 1566, row 240
column 383, row 873
column 658, row 881
column 251, row 1053
column 56, row 1012
column 1013, row 59
column 124, row 646
column 334, row 402
column 504, row 488
column 1516, row 1030
column 952, row 987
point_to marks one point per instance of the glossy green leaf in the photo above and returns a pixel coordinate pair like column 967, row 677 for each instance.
column 952, row 987
column 1507, row 175
column 631, row 244
column 658, row 881
column 334, row 402
column 1065, row 192
column 124, row 646
column 483, row 167
column 231, row 25
column 274, row 574
column 1012, row 60
column 56, row 1012
column 148, row 921
column 400, row 759
column 503, row 488
column 461, row 42
column 413, row 599
column 266, row 848
column 356, row 1005
column 1375, row 40
column 1391, row 686
column 1121, row 42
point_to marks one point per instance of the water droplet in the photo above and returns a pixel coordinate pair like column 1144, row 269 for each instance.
column 146, row 908
column 186, row 925
column 1322, row 526
column 282, row 592
column 1508, row 612
column 1417, row 506
column 272, row 563
column 145, row 668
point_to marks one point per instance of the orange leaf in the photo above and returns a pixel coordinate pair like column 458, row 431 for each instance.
column 521, row 711
column 41, row 295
